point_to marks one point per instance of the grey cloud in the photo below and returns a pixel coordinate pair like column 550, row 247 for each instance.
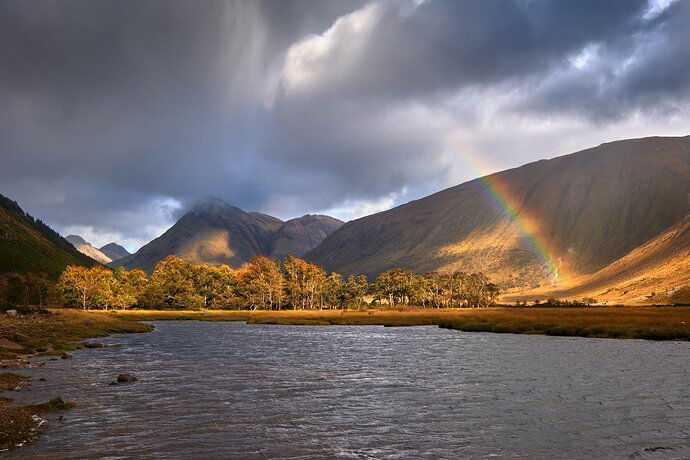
column 445, row 44
column 643, row 71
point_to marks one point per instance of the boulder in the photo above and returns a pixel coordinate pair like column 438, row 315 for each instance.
column 11, row 312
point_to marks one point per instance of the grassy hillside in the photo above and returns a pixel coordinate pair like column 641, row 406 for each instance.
column 658, row 271
column 29, row 244
column 588, row 209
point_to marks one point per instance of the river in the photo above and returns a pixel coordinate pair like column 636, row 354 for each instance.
column 232, row 390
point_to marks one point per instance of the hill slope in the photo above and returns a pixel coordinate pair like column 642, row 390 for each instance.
column 114, row 251
column 28, row 244
column 652, row 272
column 85, row 248
column 590, row 207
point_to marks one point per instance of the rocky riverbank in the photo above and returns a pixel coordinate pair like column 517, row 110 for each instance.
column 50, row 333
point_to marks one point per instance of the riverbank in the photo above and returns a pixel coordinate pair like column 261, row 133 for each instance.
column 19, row 424
column 52, row 333
column 653, row 323
column 58, row 331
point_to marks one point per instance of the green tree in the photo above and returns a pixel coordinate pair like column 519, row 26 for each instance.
column 128, row 288
column 333, row 295
column 356, row 288
column 225, row 291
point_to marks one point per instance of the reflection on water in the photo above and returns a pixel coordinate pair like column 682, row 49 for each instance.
column 231, row 390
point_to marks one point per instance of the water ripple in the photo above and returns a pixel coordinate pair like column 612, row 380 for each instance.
column 231, row 390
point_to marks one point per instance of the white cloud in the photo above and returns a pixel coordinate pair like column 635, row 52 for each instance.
column 656, row 8
column 310, row 62
column 354, row 209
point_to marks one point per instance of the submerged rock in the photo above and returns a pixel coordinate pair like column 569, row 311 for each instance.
column 126, row 378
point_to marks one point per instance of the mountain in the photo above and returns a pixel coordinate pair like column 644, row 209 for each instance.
column 214, row 232
column 85, row 248
column 28, row 244
column 585, row 211
column 299, row 235
column 656, row 271
column 114, row 251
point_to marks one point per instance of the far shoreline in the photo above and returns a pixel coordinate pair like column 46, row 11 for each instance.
column 648, row 322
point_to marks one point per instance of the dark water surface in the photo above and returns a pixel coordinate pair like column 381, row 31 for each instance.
column 231, row 390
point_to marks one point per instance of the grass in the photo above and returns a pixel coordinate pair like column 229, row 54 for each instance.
column 654, row 323
column 61, row 330
column 10, row 381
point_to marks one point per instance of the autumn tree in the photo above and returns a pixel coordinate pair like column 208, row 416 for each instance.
column 128, row 288
column 86, row 286
column 171, row 285
column 262, row 282
column 396, row 285
column 304, row 282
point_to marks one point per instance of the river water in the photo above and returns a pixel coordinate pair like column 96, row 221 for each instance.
column 231, row 390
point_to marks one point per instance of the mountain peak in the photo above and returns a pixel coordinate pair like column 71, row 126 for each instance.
column 214, row 232
column 211, row 204
column 75, row 240
column 114, row 251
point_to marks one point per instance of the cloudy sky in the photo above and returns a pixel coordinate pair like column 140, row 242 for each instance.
column 115, row 115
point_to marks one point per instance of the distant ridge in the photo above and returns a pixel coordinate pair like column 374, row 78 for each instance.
column 214, row 232
column 299, row 235
column 85, row 248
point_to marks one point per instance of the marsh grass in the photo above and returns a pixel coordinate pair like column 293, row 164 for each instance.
column 654, row 323
column 63, row 330
column 10, row 381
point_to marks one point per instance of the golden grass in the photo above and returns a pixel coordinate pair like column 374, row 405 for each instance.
column 61, row 330
column 658, row 323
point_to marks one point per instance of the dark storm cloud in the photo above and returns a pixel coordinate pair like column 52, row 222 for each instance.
column 114, row 112
column 444, row 44
column 646, row 70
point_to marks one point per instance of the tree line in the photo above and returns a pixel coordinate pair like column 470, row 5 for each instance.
column 264, row 283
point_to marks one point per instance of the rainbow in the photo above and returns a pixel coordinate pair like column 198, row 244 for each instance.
column 526, row 224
